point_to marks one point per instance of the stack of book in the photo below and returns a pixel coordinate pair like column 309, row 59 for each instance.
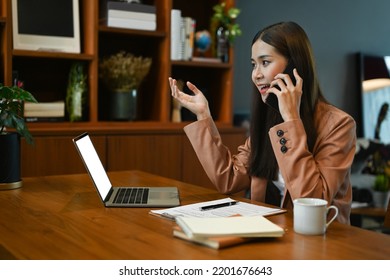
column 223, row 232
column 131, row 15
column 188, row 33
column 44, row 111
column 182, row 36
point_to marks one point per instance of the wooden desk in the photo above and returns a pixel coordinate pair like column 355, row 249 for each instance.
column 61, row 217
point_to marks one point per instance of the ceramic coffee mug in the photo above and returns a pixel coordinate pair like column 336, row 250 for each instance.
column 310, row 215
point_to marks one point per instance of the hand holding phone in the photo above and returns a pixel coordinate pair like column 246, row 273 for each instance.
column 272, row 100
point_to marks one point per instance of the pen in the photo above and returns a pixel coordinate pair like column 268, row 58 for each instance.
column 215, row 206
column 168, row 216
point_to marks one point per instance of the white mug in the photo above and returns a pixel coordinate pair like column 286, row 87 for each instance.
column 310, row 215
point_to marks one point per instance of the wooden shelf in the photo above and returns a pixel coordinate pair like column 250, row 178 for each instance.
column 98, row 40
column 369, row 211
column 54, row 55
column 45, row 74
column 204, row 64
column 68, row 128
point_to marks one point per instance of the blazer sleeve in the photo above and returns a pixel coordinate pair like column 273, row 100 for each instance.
column 325, row 172
column 226, row 171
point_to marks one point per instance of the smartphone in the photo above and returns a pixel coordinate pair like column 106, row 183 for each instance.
column 272, row 100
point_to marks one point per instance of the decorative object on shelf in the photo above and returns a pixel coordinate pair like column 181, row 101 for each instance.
column 123, row 105
column 52, row 26
column 202, row 41
column 122, row 73
column 381, row 118
column 381, row 190
column 224, row 29
column 131, row 15
column 76, row 94
column 11, row 115
column 222, row 43
column 377, row 163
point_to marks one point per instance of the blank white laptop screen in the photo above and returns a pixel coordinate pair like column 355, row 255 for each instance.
column 94, row 166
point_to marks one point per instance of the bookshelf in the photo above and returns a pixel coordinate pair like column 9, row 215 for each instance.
column 45, row 74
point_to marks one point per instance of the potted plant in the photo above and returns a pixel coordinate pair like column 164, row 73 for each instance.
column 376, row 164
column 224, row 29
column 11, row 116
column 381, row 190
column 122, row 73
column 226, row 17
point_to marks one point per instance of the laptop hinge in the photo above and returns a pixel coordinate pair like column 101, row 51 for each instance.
column 108, row 196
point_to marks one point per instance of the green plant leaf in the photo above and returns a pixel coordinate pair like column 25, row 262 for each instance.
column 11, row 109
column 381, row 183
column 233, row 13
column 227, row 19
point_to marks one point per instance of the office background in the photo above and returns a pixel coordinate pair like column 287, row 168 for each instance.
column 338, row 30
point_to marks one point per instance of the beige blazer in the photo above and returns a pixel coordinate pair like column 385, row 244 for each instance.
column 325, row 173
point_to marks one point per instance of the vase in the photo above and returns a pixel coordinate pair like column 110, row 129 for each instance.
column 222, row 43
column 123, row 105
column 76, row 93
column 380, row 199
column 10, row 161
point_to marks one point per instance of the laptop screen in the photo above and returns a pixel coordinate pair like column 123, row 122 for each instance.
column 93, row 164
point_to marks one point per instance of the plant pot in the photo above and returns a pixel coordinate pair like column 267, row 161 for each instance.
column 380, row 199
column 123, row 105
column 10, row 161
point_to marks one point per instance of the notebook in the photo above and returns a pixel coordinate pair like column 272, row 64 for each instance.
column 124, row 196
column 239, row 226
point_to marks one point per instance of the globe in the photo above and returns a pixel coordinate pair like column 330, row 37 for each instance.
column 202, row 40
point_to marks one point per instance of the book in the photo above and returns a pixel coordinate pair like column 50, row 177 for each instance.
column 238, row 226
column 131, row 23
column 44, row 119
column 217, row 242
column 188, row 33
column 132, row 7
column 56, row 105
column 131, row 15
column 207, row 59
column 182, row 36
column 44, row 113
column 176, row 34
column 44, row 109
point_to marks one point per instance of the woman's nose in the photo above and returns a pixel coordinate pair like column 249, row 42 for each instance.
column 257, row 74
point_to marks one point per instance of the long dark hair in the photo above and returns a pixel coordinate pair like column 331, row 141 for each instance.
column 291, row 41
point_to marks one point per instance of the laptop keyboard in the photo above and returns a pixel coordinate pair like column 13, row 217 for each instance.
column 132, row 195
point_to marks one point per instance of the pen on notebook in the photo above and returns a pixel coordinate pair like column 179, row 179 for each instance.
column 168, row 216
column 215, row 206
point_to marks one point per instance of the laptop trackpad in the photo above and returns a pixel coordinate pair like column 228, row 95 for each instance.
column 156, row 195
column 163, row 193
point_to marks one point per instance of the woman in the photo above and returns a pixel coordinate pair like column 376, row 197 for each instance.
column 303, row 150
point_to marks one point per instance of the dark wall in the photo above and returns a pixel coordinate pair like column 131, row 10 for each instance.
column 338, row 30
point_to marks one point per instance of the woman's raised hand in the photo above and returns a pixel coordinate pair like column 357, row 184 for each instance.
column 196, row 103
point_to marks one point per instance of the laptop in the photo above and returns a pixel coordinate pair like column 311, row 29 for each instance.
column 124, row 196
